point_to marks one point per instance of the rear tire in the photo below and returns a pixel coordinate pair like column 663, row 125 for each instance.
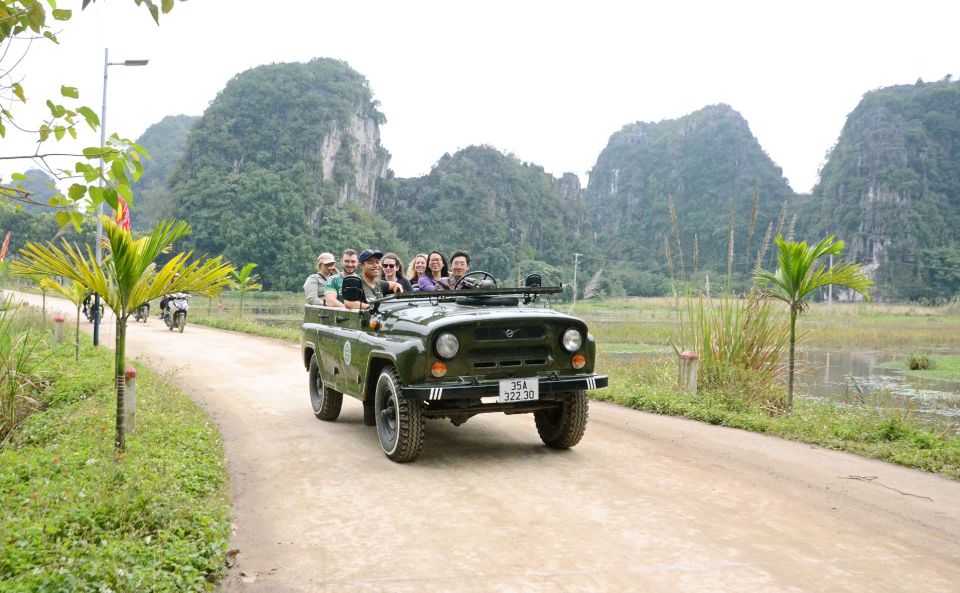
column 562, row 427
column 326, row 402
column 399, row 421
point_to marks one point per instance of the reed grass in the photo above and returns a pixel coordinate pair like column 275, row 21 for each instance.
column 22, row 350
column 741, row 343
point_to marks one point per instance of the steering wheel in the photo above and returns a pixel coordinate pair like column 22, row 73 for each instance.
column 484, row 276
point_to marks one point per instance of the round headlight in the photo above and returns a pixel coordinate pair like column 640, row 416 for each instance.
column 572, row 340
column 447, row 345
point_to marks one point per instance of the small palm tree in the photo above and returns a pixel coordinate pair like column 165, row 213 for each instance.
column 128, row 278
column 243, row 281
column 38, row 280
column 800, row 274
column 76, row 293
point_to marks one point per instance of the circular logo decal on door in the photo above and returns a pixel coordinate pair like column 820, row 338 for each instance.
column 346, row 353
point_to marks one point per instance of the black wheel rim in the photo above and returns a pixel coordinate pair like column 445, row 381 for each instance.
column 389, row 418
column 316, row 391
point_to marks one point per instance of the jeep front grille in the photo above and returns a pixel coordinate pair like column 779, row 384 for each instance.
column 509, row 357
column 530, row 332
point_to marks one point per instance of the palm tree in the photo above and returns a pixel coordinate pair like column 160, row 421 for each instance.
column 128, row 278
column 75, row 293
column 800, row 274
column 243, row 281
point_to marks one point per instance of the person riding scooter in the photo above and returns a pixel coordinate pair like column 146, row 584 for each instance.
column 165, row 298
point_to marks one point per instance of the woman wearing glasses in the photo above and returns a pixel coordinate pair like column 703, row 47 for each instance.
column 393, row 270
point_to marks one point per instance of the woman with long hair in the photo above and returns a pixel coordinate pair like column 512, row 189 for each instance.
column 417, row 268
column 392, row 269
column 436, row 269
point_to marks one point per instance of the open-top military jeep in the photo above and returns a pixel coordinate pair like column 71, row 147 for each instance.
column 451, row 354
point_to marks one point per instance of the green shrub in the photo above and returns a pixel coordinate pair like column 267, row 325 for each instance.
column 919, row 362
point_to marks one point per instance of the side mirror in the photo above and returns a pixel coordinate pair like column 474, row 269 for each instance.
column 352, row 288
column 532, row 280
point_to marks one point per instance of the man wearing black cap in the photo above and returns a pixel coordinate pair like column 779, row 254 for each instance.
column 373, row 286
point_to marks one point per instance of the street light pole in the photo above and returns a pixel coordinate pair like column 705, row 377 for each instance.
column 103, row 142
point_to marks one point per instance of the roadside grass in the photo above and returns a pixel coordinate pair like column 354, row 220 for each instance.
column 871, row 428
column 78, row 517
column 246, row 326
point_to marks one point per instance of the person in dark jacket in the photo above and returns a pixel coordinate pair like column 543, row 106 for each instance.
column 392, row 269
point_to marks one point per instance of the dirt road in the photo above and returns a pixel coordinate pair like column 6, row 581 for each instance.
column 644, row 503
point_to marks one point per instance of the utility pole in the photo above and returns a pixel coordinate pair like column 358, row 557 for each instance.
column 576, row 263
column 103, row 143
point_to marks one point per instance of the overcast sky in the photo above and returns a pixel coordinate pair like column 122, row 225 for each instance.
column 546, row 81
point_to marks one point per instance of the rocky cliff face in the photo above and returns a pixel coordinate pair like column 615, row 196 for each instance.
column 568, row 187
column 356, row 146
column 685, row 182
column 891, row 189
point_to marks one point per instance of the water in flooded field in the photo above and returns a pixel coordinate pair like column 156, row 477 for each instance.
column 854, row 376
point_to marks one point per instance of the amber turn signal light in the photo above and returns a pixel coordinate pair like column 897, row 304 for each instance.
column 375, row 324
column 438, row 369
column 578, row 361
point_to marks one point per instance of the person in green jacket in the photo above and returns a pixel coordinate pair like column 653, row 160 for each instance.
column 333, row 291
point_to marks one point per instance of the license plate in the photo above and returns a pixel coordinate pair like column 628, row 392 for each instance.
column 519, row 390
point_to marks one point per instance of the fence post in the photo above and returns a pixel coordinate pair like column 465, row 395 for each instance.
column 689, row 363
column 58, row 327
column 130, row 399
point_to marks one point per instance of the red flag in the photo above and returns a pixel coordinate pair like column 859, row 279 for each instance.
column 123, row 214
column 6, row 245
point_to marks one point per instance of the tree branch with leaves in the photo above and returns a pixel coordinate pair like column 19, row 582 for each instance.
column 31, row 19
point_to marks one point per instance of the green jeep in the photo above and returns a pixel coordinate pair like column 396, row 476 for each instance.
column 451, row 354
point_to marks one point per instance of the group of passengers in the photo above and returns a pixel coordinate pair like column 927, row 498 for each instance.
column 382, row 274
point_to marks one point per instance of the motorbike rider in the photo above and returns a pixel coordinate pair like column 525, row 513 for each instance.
column 164, row 299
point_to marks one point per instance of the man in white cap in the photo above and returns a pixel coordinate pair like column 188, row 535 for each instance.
column 313, row 287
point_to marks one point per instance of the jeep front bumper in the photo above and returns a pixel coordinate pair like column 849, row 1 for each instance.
column 551, row 388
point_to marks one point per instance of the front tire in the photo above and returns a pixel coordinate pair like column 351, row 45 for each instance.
column 181, row 321
column 399, row 421
column 326, row 402
column 562, row 427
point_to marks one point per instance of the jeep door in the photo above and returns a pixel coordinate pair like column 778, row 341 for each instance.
column 355, row 347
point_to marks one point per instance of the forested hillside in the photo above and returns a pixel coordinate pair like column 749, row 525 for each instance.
column 713, row 171
column 891, row 190
column 512, row 217
column 285, row 163
column 165, row 142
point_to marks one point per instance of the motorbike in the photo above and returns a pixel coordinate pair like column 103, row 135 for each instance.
column 175, row 315
column 88, row 309
column 142, row 312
